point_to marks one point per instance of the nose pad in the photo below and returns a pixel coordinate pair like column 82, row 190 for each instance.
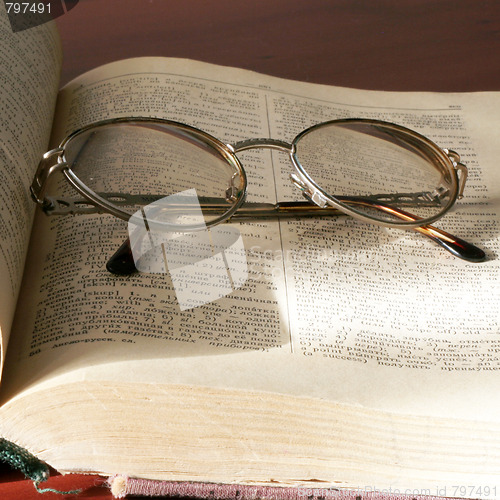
column 232, row 190
column 313, row 195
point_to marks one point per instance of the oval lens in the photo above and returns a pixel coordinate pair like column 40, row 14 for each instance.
column 164, row 170
column 378, row 170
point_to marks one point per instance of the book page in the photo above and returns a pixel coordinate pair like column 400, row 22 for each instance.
column 29, row 70
column 333, row 308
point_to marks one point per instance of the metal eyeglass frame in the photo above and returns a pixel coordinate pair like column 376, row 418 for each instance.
column 319, row 203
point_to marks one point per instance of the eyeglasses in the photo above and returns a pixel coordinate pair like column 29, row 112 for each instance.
column 372, row 170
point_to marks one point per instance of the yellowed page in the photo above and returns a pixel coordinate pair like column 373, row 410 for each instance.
column 29, row 69
column 181, row 433
column 347, row 312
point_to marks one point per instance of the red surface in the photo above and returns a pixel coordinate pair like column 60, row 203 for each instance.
column 445, row 45
column 13, row 486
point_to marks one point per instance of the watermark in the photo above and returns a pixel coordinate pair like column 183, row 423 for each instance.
column 454, row 491
column 25, row 15
column 204, row 264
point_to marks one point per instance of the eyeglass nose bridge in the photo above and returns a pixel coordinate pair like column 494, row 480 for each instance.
column 309, row 191
column 261, row 143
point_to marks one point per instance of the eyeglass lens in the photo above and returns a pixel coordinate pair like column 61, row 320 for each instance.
column 137, row 164
column 373, row 167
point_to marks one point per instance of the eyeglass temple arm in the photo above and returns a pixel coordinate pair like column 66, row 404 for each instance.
column 122, row 261
column 456, row 246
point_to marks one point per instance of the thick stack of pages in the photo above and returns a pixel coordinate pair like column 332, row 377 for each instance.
column 354, row 356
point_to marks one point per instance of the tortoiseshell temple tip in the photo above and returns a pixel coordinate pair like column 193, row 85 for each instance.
column 463, row 250
column 122, row 261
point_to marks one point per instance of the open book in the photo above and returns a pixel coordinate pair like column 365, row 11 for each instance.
column 353, row 356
